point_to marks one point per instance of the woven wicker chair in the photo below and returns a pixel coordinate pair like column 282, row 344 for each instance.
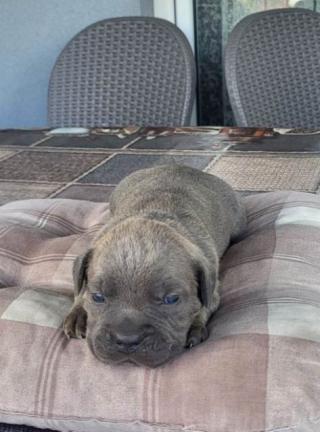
column 272, row 69
column 123, row 71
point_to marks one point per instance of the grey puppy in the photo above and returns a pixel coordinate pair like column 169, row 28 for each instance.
column 147, row 287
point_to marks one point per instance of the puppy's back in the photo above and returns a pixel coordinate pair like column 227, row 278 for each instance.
column 201, row 201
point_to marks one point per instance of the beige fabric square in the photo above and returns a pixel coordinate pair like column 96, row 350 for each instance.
column 299, row 215
column 5, row 153
column 42, row 308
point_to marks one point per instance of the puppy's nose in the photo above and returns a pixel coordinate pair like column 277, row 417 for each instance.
column 128, row 341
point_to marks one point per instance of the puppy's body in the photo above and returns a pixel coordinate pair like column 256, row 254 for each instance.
column 199, row 205
column 169, row 226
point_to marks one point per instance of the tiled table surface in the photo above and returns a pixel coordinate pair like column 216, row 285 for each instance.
column 35, row 164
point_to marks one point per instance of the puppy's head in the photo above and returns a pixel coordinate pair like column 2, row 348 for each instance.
column 142, row 284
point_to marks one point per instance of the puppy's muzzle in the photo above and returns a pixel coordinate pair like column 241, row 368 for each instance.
column 127, row 337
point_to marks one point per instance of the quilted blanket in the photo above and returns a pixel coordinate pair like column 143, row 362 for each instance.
column 259, row 370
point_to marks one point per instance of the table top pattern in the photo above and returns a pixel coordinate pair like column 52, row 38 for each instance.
column 39, row 164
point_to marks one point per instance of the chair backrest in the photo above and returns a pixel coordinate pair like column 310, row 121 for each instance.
column 272, row 69
column 123, row 71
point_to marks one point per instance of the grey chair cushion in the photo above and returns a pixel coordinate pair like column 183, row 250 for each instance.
column 123, row 71
column 272, row 69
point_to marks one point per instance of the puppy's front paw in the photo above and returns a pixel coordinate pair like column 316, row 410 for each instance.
column 75, row 323
column 197, row 334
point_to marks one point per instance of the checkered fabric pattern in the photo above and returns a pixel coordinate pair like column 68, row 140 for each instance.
column 258, row 371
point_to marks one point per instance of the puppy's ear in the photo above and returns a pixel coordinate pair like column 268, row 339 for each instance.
column 80, row 268
column 206, row 276
column 205, row 273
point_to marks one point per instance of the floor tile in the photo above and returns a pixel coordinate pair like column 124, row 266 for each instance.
column 17, row 138
column 91, row 141
column 87, row 192
column 122, row 165
column 48, row 166
column 267, row 173
column 182, row 142
column 4, row 154
column 11, row 191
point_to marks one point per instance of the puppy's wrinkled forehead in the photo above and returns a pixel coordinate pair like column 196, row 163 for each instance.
column 139, row 256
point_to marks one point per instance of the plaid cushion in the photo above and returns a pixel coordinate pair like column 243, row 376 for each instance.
column 258, row 371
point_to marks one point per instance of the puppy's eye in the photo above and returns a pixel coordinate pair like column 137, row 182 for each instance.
column 171, row 299
column 98, row 297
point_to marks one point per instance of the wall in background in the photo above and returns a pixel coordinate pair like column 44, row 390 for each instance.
column 32, row 34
